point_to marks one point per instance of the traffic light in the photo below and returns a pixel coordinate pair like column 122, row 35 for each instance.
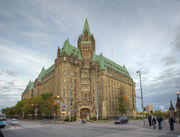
column 54, row 102
column 125, row 98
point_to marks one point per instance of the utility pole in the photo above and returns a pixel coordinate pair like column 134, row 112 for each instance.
column 141, row 95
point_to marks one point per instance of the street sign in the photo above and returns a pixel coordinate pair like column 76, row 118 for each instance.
column 64, row 106
column 58, row 101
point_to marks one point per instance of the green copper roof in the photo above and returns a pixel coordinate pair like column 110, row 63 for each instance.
column 69, row 49
column 44, row 72
column 86, row 27
column 30, row 86
column 41, row 74
column 105, row 63
column 51, row 68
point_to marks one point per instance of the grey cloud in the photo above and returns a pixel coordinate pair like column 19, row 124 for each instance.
column 9, row 72
column 170, row 60
column 176, row 43
column 164, row 90
column 10, row 93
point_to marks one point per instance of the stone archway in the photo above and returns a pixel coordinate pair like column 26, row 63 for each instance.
column 84, row 112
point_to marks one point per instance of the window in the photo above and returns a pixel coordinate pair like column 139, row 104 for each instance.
column 76, row 74
column 71, row 73
column 75, row 88
column 64, row 58
column 75, row 95
column 70, row 80
column 64, row 65
column 71, row 60
column 64, row 71
column 75, row 81
column 76, row 61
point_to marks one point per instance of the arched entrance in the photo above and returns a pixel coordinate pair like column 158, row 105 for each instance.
column 84, row 112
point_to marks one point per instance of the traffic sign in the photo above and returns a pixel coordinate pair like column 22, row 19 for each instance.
column 63, row 105
column 58, row 101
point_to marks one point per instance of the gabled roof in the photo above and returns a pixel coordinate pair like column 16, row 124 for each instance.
column 51, row 68
column 69, row 49
column 86, row 28
column 41, row 74
column 44, row 72
column 30, row 86
column 105, row 63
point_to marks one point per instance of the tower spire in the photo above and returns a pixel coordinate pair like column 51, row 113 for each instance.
column 86, row 28
column 58, row 52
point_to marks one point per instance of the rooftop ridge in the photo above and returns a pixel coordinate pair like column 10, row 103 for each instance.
column 69, row 49
column 104, row 63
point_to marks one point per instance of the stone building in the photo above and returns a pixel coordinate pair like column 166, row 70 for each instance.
column 28, row 92
column 87, row 83
column 149, row 108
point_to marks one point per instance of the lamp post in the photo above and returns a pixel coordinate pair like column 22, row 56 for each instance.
column 139, row 72
column 33, row 109
column 59, row 104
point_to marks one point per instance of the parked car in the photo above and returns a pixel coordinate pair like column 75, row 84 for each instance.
column 121, row 120
column 14, row 122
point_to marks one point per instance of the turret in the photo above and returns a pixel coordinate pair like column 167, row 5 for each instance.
column 86, row 43
column 58, row 52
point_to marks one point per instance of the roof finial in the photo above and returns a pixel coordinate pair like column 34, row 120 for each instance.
column 86, row 27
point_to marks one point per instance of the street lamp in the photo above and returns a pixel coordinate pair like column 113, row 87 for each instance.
column 33, row 110
column 141, row 94
column 177, row 93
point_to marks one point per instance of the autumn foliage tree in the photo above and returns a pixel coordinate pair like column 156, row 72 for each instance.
column 44, row 105
column 123, row 102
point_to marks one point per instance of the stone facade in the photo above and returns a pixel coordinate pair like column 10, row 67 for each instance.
column 90, row 82
column 149, row 108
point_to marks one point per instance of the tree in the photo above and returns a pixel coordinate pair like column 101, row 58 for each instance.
column 46, row 104
column 27, row 106
column 123, row 102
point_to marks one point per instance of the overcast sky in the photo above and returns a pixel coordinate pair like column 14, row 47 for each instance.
column 140, row 34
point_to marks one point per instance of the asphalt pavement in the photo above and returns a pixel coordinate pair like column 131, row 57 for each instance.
column 76, row 129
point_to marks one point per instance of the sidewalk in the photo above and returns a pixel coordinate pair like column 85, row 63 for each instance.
column 165, row 126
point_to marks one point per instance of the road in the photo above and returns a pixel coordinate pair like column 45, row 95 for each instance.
column 76, row 129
